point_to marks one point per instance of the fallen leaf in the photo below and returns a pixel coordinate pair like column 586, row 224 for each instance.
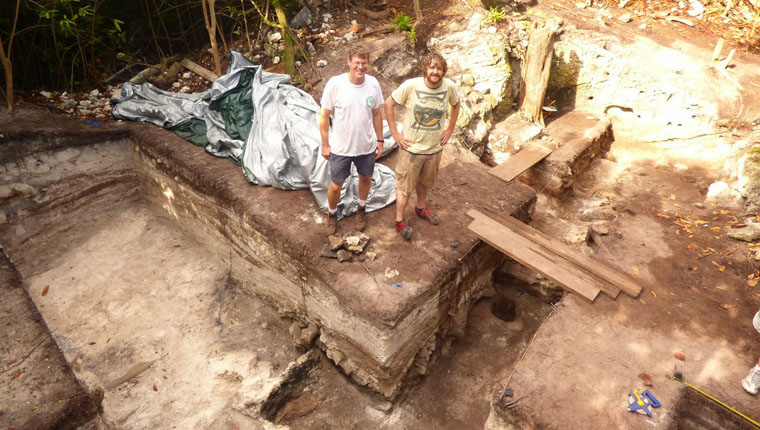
column 715, row 229
column 680, row 356
column 134, row 381
column 694, row 269
column 693, row 288
column 155, row 388
column 725, row 212
column 751, row 276
column 700, row 222
column 653, row 293
column 720, row 267
column 672, row 197
column 16, row 375
column 691, row 246
column 45, row 290
column 727, row 306
column 757, row 294
column 635, row 270
column 752, row 282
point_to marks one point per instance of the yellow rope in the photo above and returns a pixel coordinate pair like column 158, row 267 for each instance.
column 753, row 422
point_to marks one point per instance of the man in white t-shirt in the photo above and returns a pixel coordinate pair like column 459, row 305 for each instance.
column 354, row 101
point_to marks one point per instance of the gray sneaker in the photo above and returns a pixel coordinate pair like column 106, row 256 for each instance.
column 752, row 382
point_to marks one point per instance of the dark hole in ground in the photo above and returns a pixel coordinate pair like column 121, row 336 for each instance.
column 696, row 412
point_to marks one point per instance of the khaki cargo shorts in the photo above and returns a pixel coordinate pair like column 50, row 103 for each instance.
column 414, row 168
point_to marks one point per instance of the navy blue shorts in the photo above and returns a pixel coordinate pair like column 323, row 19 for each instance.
column 340, row 166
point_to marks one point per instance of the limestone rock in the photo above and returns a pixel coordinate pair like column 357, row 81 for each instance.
column 344, row 255
column 335, row 242
column 748, row 177
column 355, row 241
column 748, row 233
column 720, row 193
column 480, row 60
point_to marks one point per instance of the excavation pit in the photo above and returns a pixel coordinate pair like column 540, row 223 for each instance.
column 143, row 244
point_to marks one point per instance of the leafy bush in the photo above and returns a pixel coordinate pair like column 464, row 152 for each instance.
column 401, row 21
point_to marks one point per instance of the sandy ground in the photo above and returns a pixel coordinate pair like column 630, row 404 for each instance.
column 139, row 291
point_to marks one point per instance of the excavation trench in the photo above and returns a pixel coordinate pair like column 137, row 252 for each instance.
column 182, row 294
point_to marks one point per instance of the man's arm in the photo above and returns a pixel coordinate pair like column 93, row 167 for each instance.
column 377, row 122
column 390, row 116
column 324, row 131
column 452, row 124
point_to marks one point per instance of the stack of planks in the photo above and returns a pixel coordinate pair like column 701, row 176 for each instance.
column 575, row 272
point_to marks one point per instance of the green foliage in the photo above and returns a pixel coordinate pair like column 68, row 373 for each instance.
column 412, row 35
column 401, row 21
column 495, row 15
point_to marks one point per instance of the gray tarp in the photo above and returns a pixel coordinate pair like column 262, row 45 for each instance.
column 260, row 122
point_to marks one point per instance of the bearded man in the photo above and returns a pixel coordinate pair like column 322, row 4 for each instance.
column 425, row 133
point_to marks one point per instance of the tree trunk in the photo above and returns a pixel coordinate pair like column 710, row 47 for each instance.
column 535, row 71
column 5, row 59
column 209, row 17
column 417, row 12
column 289, row 56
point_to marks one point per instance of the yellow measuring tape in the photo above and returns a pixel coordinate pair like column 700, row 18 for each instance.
column 753, row 422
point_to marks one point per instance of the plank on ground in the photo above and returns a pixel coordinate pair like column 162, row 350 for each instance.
column 551, row 250
column 528, row 254
column 616, row 277
column 520, row 162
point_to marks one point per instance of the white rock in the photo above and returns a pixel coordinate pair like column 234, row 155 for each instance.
column 176, row 85
column 321, row 63
column 276, row 60
column 275, row 37
column 722, row 194
column 25, row 190
column 350, row 36
column 5, row 192
column 47, row 94
column 185, row 89
column 298, row 64
column 186, row 75
column 492, row 29
column 310, row 47
column 94, row 93
column 326, row 17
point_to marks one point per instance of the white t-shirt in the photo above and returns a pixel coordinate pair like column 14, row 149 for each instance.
column 352, row 132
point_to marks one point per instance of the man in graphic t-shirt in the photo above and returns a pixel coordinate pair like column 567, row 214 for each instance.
column 354, row 101
column 425, row 132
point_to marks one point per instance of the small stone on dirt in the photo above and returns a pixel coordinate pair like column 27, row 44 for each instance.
column 335, row 242
column 390, row 273
column 748, row 233
column 371, row 255
column 680, row 356
column 343, row 255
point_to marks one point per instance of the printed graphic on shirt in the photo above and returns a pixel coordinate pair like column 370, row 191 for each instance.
column 370, row 101
column 429, row 110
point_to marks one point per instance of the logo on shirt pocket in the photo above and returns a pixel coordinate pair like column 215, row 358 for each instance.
column 370, row 101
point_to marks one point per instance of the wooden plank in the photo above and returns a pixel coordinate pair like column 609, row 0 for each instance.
column 520, row 162
column 614, row 276
column 525, row 252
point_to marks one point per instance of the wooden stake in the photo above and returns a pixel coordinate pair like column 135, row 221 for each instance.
column 535, row 71
column 199, row 70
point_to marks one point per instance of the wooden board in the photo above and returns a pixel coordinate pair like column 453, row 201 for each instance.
column 520, row 162
column 534, row 256
column 616, row 278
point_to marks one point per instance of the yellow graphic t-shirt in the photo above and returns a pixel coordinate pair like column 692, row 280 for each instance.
column 424, row 119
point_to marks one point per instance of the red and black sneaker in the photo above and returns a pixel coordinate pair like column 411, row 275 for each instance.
column 427, row 214
column 402, row 228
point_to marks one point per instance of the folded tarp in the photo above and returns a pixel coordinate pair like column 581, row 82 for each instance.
column 259, row 121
